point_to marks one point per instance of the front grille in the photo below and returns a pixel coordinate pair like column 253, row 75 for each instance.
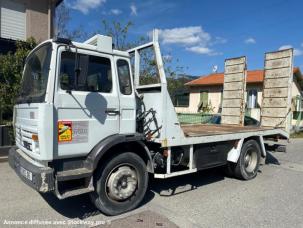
column 24, row 138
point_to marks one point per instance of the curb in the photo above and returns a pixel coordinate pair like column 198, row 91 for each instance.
column 3, row 159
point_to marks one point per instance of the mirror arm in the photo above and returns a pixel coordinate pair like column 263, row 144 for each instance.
column 76, row 69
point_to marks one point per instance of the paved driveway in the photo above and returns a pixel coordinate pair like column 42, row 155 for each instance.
column 204, row 199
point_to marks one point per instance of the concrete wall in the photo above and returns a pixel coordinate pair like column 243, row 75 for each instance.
column 39, row 16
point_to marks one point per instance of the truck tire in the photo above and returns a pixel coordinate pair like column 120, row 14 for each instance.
column 249, row 161
column 120, row 184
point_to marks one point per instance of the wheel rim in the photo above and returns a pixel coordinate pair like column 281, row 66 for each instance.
column 250, row 160
column 121, row 183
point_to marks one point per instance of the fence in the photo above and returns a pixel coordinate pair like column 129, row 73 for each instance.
column 194, row 118
column 6, row 135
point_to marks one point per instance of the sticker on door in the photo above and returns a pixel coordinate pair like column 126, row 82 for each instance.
column 65, row 131
column 72, row 131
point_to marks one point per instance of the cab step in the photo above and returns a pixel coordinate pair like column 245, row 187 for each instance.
column 74, row 192
column 73, row 174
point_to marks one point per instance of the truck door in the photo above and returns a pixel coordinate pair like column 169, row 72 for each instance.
column 126, row 96
column 86, row 100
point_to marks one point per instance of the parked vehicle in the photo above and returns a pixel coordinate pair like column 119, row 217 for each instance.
column 83, row 124
column 248, row 121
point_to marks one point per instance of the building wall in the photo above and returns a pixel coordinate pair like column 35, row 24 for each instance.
column 259, row 88
column 39, row 15
column 214, row 96
column 295, row 92
column 255, row 112
column 37, row 19
column 295, row 89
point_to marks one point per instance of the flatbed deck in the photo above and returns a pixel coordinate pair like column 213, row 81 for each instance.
column 195, row 130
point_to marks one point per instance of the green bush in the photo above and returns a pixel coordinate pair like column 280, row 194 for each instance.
column 11, row 67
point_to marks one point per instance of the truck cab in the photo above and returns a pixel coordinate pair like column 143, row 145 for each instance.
column 77, row 102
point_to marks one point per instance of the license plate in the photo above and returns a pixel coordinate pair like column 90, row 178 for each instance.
column 27, row 174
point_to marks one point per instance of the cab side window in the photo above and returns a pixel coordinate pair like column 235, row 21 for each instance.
column 124, row 77
column 93, row 73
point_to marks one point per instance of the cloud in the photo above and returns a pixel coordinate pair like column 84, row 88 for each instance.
column 203, row 50
column 193, row 38
column 115, row 11
column 133, row 9
column 250, row 40
column 297, row 52
column 85, row 6
column 184, row 35
column 219, row 40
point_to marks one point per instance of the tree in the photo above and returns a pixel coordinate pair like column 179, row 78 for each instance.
column 11, row 67
column 61, row 25
column 148, row 68
column 118, row 32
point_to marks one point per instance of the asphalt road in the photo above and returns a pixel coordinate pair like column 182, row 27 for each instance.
column 204, row 199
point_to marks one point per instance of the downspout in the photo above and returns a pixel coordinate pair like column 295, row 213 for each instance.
column 50, row 19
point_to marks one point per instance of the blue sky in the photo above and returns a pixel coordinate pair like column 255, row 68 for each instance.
column 200, row 34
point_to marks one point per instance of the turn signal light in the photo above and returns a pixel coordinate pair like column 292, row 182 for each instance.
column 35, row 137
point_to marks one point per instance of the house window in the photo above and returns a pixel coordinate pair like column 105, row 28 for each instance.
column 12, row 20
column 181, row 100
column 203, row 101
column 252, row 101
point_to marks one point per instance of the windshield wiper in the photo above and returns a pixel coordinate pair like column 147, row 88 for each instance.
column 21, row 99
column 29, row 100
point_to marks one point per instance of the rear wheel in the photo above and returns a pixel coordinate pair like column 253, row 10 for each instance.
column 120, row 184
column 249, row 161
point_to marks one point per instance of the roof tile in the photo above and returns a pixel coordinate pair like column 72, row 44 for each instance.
column 253, row 76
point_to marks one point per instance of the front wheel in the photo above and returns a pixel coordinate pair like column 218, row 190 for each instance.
column 249, row 161
column 120, row 184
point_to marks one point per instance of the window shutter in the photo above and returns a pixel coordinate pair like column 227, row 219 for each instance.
column 204, row 99
column 13, row 20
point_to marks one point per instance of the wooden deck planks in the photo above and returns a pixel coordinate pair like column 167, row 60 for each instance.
column 212, row 129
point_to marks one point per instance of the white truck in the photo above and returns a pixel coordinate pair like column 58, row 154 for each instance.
column 84, row 124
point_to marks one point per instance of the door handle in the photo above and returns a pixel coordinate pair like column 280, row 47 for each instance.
column 112, row 112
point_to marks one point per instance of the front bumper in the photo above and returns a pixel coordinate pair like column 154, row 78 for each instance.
column 38, row 177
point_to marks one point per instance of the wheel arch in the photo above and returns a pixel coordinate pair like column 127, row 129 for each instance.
column 234, row 154
column 260, row 141
column 116, row 144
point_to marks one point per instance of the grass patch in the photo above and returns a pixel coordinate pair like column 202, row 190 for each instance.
column 297, row 135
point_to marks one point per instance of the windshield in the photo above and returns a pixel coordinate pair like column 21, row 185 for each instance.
column 35, row 77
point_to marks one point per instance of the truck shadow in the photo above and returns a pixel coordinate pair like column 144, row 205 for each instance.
column 185, row 183
column 81, row 207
